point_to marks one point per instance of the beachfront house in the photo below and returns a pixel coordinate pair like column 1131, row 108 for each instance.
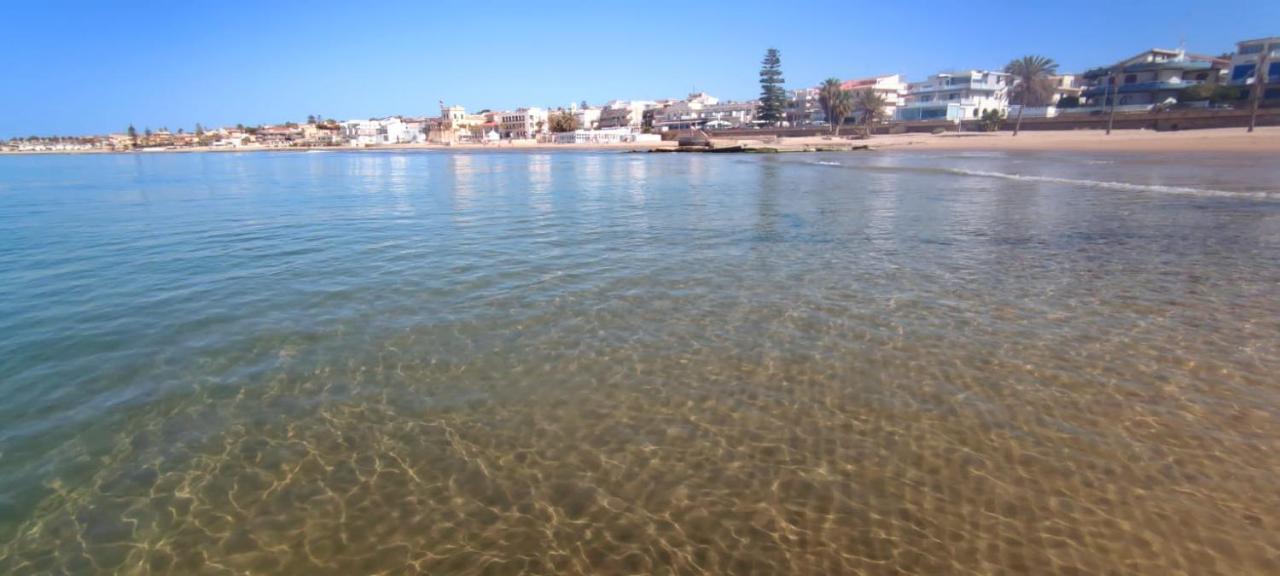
column 456, row 126
column 1066, row 87
column 891, row 88
column 588, row 117
column 120, row 142
column 1066, row 93
column 803, row 107
column 159, row 138
column 1152, row 77
column 523, row 123
column 279, row 136
column 360, row 132
column 604, row 136
column 1244, row 64
column 320, row 134
column 701, row 110
column 624, row 114
column 402, row 130
column 955, row 96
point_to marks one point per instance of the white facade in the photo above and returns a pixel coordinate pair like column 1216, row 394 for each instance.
column 588, row 118
column 393, row 130
column 955, row 96
column 1064, row 86
column 805, row 108
column 360, row 132
column 523, row 123
column 605, row 136
column 892, row 89
column 702, row 110
column 624, row 114
column 400, row 131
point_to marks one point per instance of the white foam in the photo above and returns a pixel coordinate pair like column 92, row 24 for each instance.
column 1110, row 185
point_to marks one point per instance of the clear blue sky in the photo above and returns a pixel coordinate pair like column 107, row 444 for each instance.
column 73, row 67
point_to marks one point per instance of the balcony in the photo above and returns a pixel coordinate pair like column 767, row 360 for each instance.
column 958, row 102
column 1141, row 87
column 1188, row 65
column 932, row 88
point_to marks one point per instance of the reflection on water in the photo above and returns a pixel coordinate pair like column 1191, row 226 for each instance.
column 582, row 363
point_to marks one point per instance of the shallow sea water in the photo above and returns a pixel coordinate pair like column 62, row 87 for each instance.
column 506, row 363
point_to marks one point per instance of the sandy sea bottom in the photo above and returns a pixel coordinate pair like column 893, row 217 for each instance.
column 625, row 364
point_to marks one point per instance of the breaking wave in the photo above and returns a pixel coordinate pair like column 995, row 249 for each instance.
column 1110, row 184
column 1104, row 184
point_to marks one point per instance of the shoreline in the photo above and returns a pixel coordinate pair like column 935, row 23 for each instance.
column 623, row 147
column 1264, row 140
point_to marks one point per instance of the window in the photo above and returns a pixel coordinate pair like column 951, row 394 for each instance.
column 1242, row 72
column 1251, row 49
column 1130, row 78
column 1273, row 73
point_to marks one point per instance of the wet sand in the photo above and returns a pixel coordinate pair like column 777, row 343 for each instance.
column 1264, row 140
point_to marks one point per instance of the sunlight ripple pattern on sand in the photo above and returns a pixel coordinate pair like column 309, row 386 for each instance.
column 526, row 363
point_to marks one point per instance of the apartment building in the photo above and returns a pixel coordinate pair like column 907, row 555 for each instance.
column 955, row 96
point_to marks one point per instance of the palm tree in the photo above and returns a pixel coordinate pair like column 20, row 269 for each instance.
column 1031, row 83
column 991, row 120
column 868, row 107
column 836, row 103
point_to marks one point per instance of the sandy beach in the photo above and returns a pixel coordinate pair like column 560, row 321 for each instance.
column 1264, row 140
column 1218, row 140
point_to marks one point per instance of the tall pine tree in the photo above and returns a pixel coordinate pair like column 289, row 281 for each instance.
column 773, row 97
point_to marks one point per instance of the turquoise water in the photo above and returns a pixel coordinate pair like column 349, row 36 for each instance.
column 346, row 363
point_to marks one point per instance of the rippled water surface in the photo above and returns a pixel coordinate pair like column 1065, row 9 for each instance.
column 357, row 363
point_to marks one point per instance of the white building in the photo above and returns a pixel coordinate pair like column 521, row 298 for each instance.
column 624, row 114
column 892, row 89
column 397, row 130
column 391, row 130
column 701, row 110
column 604, row 136
column 361, row 132
column 523, row 123
column 955, row 96
column 588, row 118
column 804, row 108
column 1066, row 86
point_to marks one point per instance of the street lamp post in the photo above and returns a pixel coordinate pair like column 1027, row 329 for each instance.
column 1115, row 88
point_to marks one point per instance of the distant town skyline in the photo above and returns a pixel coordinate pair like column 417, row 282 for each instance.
column 76, row 67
